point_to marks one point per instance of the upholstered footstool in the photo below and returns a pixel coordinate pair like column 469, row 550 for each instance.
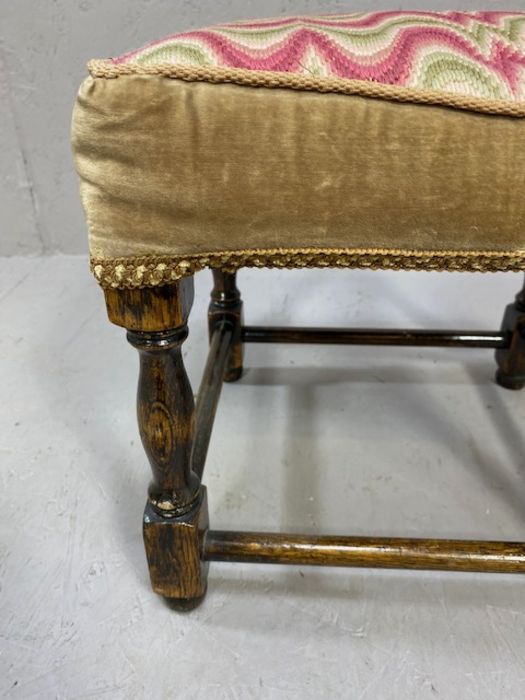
column 384, row 140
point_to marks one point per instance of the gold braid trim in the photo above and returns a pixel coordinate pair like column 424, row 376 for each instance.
column 153, row 270
column 274, row 79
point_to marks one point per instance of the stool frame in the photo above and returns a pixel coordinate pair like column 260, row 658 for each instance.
column 176, row 430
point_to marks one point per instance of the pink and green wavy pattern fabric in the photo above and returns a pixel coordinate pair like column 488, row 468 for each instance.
column 480, row 54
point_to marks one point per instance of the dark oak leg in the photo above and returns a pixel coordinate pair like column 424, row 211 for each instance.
column 511, row 360
column 176, row 515
column 226, row 304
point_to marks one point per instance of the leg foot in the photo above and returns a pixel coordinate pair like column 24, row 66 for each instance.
column 509, row 382
column 174, row 548
column 183, row 605
column 511, row 360
column 233, row 374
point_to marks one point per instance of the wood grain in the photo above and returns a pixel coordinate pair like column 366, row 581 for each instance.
column 176, row 512
column 375, row 336
column 377, row 552
column 156, row 309
column 209, row 392
column 174, row 551
column 226, row 305
column 166, row 418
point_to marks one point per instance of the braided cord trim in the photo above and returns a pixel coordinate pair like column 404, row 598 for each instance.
column 152, row 271
column 271, row 79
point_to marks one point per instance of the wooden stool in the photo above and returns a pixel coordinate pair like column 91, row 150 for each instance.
column 389, row 140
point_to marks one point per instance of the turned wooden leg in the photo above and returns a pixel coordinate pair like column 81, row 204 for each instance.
column 176, row 515
column 511, row 360
column 226, row 304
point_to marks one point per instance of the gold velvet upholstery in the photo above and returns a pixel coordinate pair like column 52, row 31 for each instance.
column 180, row 174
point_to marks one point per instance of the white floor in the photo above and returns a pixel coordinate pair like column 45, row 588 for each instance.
column 315, row 439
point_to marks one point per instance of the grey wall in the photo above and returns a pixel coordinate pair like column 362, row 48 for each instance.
column 44, row 45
